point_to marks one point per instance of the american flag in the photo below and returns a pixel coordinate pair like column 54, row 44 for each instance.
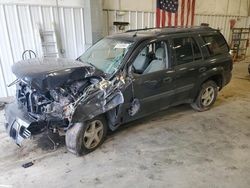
column 179, row 13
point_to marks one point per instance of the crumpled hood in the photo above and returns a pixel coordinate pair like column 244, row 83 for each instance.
column 48, row 73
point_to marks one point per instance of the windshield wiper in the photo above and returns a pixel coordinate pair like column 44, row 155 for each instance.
column 14, row 82
column 78, row 59
column 92, row 64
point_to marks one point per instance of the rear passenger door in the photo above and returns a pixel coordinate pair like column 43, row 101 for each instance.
column 187, row 58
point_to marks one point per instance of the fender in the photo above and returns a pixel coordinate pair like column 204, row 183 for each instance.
column 96, row 106
column 108, row 101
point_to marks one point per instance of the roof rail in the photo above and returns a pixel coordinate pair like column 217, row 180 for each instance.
column 145, row 29
column 134, row 30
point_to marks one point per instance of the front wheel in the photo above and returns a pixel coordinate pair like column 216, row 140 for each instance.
column 85, row 137
column 207, row 96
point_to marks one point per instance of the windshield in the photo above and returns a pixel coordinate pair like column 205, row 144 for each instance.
column 106, row 55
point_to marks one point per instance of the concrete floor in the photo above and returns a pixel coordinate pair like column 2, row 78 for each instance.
column 174, row 148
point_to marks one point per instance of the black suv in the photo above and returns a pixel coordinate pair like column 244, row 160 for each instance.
column 119, row 79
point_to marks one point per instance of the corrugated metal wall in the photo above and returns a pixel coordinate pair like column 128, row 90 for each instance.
column 139, row 19
column 19, row 31
column 19, row 26
column 221, row 22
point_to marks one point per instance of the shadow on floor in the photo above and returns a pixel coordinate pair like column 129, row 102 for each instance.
column 165, row 115
column 50, row 141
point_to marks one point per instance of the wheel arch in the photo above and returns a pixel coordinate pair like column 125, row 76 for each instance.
column 217, row 77
column 106, row 107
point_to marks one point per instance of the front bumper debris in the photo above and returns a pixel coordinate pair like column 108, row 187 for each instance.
column 17, row 123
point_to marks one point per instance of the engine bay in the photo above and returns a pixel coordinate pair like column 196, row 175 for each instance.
column 61, row 102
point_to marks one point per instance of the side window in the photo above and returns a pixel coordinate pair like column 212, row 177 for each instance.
column 216, row 44
column 186, row 50
column 152, row 58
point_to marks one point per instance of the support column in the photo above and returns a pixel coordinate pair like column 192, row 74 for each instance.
column 93, row 21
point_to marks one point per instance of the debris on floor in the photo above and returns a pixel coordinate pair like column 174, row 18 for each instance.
column 27, row 165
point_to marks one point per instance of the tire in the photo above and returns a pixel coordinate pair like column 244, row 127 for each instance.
column 206, row 97
column 78, row 137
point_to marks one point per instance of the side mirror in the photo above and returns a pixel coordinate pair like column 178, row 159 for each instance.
column 131, row 70
column 131, row 73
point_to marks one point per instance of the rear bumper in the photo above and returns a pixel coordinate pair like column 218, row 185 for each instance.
column 17, row 123
column 227, row 78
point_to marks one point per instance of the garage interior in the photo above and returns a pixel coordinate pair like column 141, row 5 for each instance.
column 178, row 147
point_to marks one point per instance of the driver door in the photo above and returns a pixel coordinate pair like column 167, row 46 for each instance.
column 153, row 86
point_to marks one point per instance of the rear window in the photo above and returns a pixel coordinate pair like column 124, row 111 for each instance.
column 216, row 44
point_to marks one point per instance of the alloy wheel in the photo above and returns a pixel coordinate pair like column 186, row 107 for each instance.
column 207, row 96
column 93, row 134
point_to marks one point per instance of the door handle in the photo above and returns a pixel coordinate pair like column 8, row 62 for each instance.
column 167, row 80
column 170, row 71
column 202, row 69
column 151, row 82
column 182, row 69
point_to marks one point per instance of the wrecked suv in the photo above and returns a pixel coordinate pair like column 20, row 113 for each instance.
column 119, row 79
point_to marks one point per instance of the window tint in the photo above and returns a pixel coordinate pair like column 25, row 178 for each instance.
column 216, row 44
column 186, row 50
column 152, row 58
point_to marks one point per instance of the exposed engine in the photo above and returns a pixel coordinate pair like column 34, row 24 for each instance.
column 51, row 104
column 61, row 102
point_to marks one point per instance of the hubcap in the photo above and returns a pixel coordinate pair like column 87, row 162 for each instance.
column 207, row 96
column 93, row 134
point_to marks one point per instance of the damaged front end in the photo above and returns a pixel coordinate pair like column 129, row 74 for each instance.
column 58, row 107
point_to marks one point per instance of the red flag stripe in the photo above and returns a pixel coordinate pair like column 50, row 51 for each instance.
column 188, row 12
column 163, row 18
column 169, row 18
column 193, row 11
column 176, row 19
column 158, row 17
column 182, row 12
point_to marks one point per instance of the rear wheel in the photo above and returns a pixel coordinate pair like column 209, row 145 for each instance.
column 207, row 96
column 85, row 137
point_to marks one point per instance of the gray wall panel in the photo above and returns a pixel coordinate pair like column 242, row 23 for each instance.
column 19, row 26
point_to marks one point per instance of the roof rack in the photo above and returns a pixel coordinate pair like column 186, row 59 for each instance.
column 147, row 29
